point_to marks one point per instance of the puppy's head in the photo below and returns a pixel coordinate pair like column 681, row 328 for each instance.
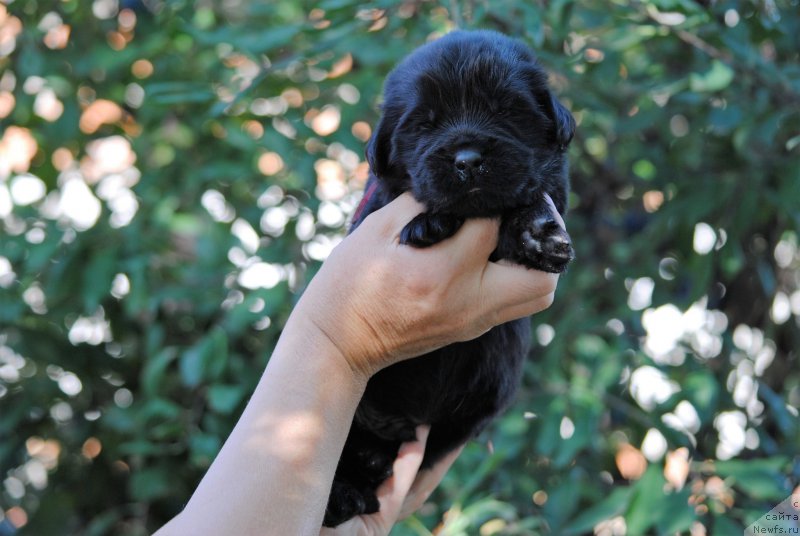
column 470, row 126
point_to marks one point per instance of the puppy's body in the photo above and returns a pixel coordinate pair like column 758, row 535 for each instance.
column 471, row 129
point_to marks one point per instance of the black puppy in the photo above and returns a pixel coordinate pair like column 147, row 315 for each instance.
column 470, row 127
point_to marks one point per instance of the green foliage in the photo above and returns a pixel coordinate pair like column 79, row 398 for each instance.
column 172, row 173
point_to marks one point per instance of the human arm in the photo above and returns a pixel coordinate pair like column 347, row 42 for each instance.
column 373, row 302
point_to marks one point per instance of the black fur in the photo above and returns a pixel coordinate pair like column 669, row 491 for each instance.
column 470, row 127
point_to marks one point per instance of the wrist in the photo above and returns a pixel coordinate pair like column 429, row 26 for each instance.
column 326, row 348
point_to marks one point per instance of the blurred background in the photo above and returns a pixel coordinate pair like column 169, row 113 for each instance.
column 172, row 173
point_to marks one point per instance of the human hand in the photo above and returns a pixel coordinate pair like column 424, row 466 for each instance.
column 402, row 494
column 377, row 301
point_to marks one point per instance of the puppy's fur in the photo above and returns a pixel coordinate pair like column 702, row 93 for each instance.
column 470, row 127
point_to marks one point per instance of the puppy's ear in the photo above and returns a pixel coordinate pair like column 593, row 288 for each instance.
column 379, row 148
column 563, row 121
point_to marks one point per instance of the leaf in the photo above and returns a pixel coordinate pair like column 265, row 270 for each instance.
column 626, row 37
column 725, row 119
column 97, row 277
column 178, row 92
column 589, row 346
column 723, row 525
column 584, row 420
column 561, row 504
column 487, row 465
column 11, row 311
column 151, row 483
column 141, row 448
column 612, row 506
column 206, row 359
column 717, row 78
column 702, row 390
column 675, row 514
column 225, row 398
column 119, row 420
column 253, row 42
column 648, row 497
column 330, row 5
column 218, row 356
column 204, row 447
column 763, row 479
column 155, row 370
column 787, row 422
column 104, row 522
column 193, row 364
column 159, row 409
column 56, row 506
column 549, row 425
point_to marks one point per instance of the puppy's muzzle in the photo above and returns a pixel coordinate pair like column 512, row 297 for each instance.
column 468, row 163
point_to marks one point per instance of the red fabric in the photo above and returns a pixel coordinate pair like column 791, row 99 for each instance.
column 367, row 194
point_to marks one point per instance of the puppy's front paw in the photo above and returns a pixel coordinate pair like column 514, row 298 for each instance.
column 427, row 229
column 546, row 246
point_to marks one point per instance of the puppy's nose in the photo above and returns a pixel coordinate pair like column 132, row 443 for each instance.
column 468, row 160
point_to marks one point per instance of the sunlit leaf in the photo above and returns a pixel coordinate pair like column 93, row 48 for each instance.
column 718, row 77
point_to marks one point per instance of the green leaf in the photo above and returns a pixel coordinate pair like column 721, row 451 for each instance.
column 159, row 409
column 561, row 505
column 675, row 514
column 204, row 447
column 151, row 483
column 97, row 277
column 786, row 421
column 155, row 370
column 763, row 479
column 644, row 169
column 104, row 522
column 225, row 398
column 615, row 504
column 11, row 310
column 584, row 421
column 252, row 42
column 205, row 360
column 218, row 353
column 702, row 390
column 193, row 364
column 141, row 448
column 549, row 425
column 723, row 525
column 725, row 119
column 718, row 77
column 119, row 420
column 164, row 93
column 647, row 498
column 56, row 506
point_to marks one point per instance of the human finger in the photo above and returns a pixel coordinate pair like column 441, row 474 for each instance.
column 391, row 218
column 425, row 482
column 513, row 291
column 392, row 493
column 476, row 239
